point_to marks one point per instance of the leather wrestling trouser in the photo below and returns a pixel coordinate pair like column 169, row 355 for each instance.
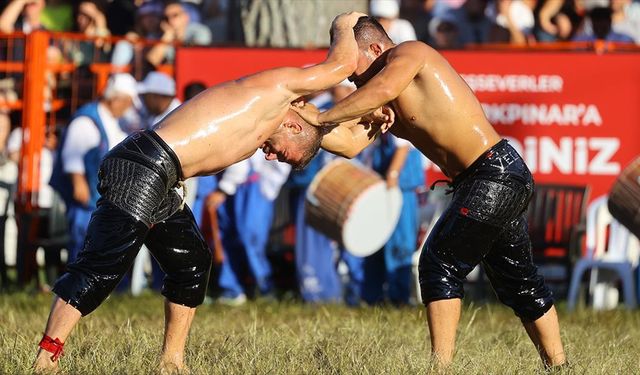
column 486, row 222
column 139, row 204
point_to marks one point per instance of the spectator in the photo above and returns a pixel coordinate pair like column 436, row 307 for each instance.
column 147, row 26
column 42, row 221
column 92, row 22
column 517, row 18
column 250, row 212
column 471, row 21
column 444, row 33
column 205, row 195
column 601, row 23
column 401, row 166
column 557, row 20
column 158, row 94
column 419, row 13
column 626, row 18
column 92, row 132
column 222, row 199
column 177, row 28
column 387, row 12
column 319, row 279
column 22, row 15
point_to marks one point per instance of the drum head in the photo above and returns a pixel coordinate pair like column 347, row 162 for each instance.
column 371, row 219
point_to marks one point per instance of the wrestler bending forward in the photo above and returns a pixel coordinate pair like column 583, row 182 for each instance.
column 139, row 202
column 491, row 184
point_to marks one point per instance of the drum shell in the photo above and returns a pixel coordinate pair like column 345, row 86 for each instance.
column 334, row 206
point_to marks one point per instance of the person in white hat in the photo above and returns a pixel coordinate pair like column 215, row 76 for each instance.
column 92, row 132
column 158, row 94
column 387, row 13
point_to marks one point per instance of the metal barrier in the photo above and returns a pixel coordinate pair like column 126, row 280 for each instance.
column 51, row 82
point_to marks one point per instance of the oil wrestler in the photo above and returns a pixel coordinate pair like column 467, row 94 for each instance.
column 139, row 202
column 485, row 222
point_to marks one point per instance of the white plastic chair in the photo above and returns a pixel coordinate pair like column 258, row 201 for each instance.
column 618, row 252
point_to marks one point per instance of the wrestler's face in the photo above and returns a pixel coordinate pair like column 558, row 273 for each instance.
column 283, row 150
column 292, row 144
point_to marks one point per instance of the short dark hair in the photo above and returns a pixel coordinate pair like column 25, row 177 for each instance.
column 193, row 88
column 368, row 30
column 309, row 139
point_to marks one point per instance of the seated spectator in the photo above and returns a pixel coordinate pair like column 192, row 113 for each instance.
column 177, row 28
column 517, row 18
column 601, row 24
column 473, row 24
column 626, row 18
column 22, row 15
column 386, row 12
column 444, row 33
column 419, row 13
column 146, row 26
column 90, row 21
column 556, row 20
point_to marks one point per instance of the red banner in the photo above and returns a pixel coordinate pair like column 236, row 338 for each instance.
column 575, row 117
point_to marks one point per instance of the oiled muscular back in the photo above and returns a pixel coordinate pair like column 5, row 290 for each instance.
column 441, row 116
column 224, row 124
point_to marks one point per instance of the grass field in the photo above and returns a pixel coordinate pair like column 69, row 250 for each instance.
column 125, row 334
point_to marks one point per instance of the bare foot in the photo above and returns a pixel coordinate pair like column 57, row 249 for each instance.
column 44, row 364
column 171, row 368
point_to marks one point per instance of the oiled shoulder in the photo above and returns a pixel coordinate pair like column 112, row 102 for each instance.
column 413, row 49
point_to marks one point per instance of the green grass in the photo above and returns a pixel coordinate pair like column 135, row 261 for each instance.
column 124, row 336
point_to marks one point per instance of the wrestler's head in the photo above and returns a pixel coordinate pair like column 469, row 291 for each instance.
column 295, row 142
column 372, row 41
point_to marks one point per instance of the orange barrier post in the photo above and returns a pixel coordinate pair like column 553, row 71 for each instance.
column 33, row 119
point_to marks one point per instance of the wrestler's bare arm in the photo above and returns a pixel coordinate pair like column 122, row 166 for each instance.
column 349, row 138
column 339, row 64
column 403, row 64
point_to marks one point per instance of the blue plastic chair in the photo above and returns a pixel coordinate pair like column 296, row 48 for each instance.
column 617, row 251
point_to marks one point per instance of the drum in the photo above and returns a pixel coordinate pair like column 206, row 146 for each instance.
column 624, row 199
column 351, row 204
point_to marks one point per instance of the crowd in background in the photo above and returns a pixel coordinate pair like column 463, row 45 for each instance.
column 441, row 23
column 236, row 209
